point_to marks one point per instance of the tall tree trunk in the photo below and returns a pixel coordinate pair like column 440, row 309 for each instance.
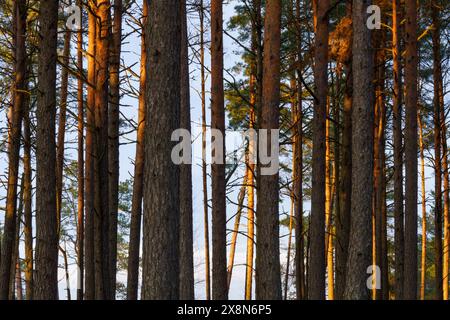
column 80, row 168
column 237, row 223
column 411, row 149
column 268, row 278
column 103, row 288
column 204, row 166
column 219, row 259
column 161, row 203
column 46, row 273
column 438, row 122
column 437, row 176
column 317, row 257
column 292, row 218
column 379, row 167
column 446, row 245
column 60, row 145
column 136, row 206
column 329, row 208
column 399, row 242
column 27, row 198
column 362, row 156
column 423, row 259
column 253, row 178
column 113, row 141
column 345, row 182
column 186, row 224
column 250, row 172
column 89, row 163
column 15, row 261
column 298, row 177
column 14, row 134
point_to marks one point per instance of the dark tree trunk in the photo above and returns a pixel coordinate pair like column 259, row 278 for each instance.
column 219, row 254
column 27, row 199
column 316, row 285
column 14, row 134
column 345, row 182
column 89, row 164
column 359, row 251
column 268, row 277
column 411, row 151
column 80, row 173
column 161, row 203
column 186, row 224
column 100, row 153
column 113, row 147
column 399, row 242
column 138, row 186
column 46, row 273
column 438, row 139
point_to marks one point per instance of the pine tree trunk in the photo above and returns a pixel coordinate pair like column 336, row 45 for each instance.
column 317, row 257
column 46, row 272
column 298, row 178
column 423, row 258
column 235, row 233
column 60, row 145
column 89, row 163
column 138, row 185
column 251, row 166
column 14, row 134
column 113, row 141
column 186, row 223
column 411, row 150
column 219, row 256
column 446, row 245
column 27, row 199
column 80, row 168
column 161, row 203
column 438, row 122
column 362, row 156
column 15, row 267
column 329, row 208
column 268, row 278
column 345, row 182
column 204, row 166
column 379, row 166
column 399, row 242
column 103, row 288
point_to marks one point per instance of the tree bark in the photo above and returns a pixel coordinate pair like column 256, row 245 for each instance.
column 113, row 141
column 103, row 288
column 441, row 281
column 161, row 203
column 60, row 145
column 268, row 277
column 362, row 156
column 80, row 167
column 14, row 134
column 89, row 163
column 316, row 285
column 399, row 242
column 219, row 258
column 298, row 177
column 204, row 166
column 423, row 258
column 46, row 273
column 27, row 199
column 186, row 224
column 138, row 185
column 411, row 149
